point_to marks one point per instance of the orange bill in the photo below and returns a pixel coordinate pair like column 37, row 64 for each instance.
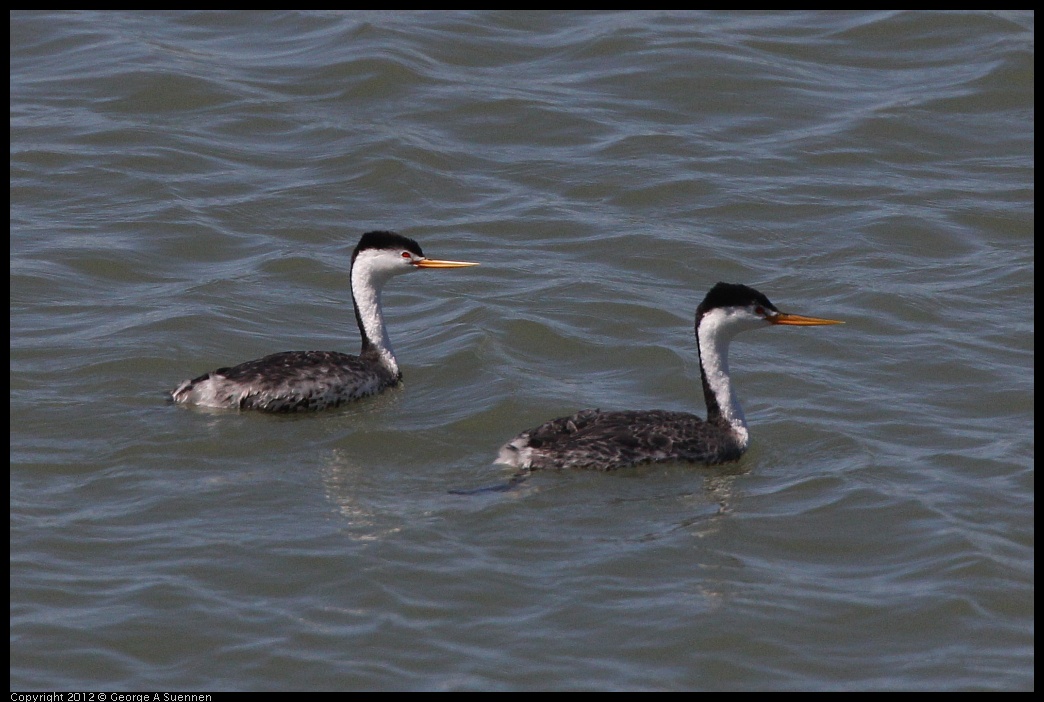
column 799, row 321
column 436, row 263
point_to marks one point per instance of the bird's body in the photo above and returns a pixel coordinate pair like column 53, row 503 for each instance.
column 291, row 381
column 596, row 440
column 296, row 381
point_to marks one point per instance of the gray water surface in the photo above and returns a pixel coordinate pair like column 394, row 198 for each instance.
column 186, row 189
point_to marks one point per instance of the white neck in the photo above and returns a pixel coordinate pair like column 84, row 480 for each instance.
column 371, row 270
column 713, row 336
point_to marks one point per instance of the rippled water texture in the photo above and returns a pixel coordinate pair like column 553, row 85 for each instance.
column 186, row 189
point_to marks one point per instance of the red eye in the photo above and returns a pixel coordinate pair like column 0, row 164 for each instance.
column 760, row 310
column 406, row 254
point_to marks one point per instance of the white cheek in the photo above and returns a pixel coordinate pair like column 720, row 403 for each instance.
column 378, row 266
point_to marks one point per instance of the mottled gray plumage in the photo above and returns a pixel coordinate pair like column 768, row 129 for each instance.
column 293, row 381
column 596, row 440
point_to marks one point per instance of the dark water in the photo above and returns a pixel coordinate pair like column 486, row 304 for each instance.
column 186, row 189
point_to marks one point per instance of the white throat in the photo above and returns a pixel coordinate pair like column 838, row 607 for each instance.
column 371, row 270
column 714, row 334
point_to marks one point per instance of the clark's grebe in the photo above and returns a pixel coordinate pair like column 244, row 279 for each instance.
column 296, row 381
column 596, row 440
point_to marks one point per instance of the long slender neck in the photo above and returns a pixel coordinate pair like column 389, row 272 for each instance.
column 723, row 407
column 366, row 295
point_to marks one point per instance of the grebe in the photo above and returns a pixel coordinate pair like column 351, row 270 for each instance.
column 298, row 381
column 596, row 440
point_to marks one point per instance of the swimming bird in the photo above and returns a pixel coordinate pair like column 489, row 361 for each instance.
column 298, row 381
column 596, row 440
